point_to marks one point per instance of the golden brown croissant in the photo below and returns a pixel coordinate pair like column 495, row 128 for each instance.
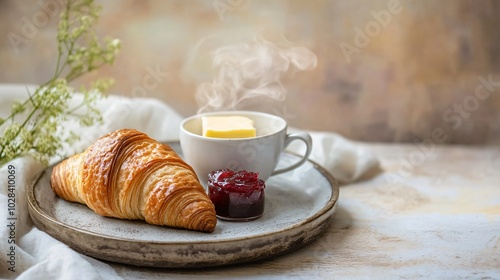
column 126, row 174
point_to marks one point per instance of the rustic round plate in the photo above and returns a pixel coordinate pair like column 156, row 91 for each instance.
column 299, row 206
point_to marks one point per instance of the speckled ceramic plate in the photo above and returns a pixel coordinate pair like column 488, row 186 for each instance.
column 299, row 206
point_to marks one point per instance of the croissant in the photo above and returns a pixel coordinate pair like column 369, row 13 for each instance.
column 128, row 175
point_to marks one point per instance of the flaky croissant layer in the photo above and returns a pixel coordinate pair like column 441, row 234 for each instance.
column 128, row 175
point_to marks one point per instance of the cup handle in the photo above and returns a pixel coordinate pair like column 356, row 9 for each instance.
column 306, row 138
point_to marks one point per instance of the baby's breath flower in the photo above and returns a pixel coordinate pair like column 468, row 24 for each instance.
column 18, row 107
column 32, row 127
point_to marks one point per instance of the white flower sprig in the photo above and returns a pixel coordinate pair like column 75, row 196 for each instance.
column 32, row 127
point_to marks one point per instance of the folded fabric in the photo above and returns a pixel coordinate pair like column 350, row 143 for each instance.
column 39, row 256
column 346, row 160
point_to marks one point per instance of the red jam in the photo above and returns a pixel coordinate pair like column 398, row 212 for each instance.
column 236, row 195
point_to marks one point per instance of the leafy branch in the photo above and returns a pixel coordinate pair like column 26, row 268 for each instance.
column 33, row 127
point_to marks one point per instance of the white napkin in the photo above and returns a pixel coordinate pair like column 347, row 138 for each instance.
column 39, row 256
column 346, row 160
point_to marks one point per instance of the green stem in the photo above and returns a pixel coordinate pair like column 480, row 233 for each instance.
column 72, row 111
column 56, row 73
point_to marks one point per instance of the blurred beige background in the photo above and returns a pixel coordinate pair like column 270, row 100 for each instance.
column 396, row 71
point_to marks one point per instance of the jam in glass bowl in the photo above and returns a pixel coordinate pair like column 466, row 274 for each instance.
column 237, row 196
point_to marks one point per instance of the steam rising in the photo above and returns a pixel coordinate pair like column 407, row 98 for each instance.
column 246, row 71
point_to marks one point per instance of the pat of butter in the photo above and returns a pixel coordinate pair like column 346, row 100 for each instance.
column 228, row 127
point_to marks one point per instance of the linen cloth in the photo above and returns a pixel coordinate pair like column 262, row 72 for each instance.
column 39, row 256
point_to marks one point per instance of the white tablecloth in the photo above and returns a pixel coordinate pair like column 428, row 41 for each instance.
column 39, row 256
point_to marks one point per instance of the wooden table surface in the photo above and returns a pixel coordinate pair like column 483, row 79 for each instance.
column 433, row 212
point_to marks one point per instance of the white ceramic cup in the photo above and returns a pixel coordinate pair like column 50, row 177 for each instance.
column 259, row 154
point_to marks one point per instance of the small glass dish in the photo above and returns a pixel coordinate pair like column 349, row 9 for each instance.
column 237, row 196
